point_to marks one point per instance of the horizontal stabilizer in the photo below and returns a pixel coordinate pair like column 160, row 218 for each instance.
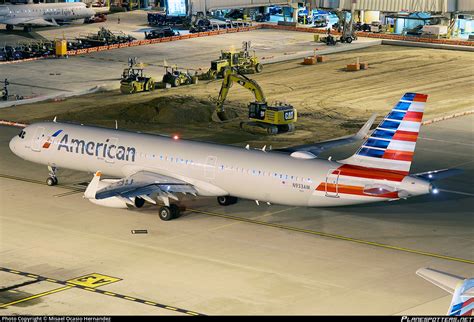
column 438, row 174
column 446, row 281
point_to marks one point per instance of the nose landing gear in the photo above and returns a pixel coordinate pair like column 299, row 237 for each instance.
column 52, row 179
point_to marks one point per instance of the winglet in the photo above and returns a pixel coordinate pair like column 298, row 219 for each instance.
column 93, row 186
column 364, row 130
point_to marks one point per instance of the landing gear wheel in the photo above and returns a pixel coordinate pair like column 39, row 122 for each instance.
column 27, row 29
column 175, row 211
column 9, row 27
column 226, row 200
column 348, row 40
column 165, row 213
column 51, row 181
column 258, row 68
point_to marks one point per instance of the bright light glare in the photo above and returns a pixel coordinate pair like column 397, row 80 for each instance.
column 435, row 191
column 175, row 137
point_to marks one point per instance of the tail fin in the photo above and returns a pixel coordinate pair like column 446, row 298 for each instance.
column 462, row 289
column 392, row 144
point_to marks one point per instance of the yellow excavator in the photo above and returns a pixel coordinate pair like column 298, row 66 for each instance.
column 275, row 119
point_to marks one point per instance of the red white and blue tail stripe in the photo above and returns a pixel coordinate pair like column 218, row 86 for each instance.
column 392, row 144
column 463, row 299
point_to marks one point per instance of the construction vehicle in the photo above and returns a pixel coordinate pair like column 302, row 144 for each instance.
column 175, row 77
column 133, row 80
column 274, row 119
column 242, row 61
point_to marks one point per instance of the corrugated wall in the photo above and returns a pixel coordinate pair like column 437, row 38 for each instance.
column 398, row 5
column 466, row 5
column 202, row 5
column 377, row 5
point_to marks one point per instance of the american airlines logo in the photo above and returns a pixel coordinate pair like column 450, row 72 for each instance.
column 102, row 150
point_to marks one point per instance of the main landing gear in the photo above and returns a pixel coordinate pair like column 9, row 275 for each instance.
column 52, row 179
column 169, row 212
column 227, row 200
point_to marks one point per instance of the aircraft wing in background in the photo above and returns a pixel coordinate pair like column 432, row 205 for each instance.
column 309, row 151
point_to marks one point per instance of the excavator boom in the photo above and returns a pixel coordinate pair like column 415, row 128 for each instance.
column 231, row 76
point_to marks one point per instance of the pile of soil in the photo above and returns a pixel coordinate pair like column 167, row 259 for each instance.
column 160, row 110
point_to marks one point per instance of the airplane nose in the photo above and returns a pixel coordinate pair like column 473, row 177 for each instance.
column 13, row 144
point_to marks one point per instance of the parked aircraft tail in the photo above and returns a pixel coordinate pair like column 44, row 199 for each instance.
column 391, row 146
column 462, row 289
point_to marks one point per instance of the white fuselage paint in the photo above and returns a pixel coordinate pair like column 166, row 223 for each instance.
column 58, row 11
column 213, row 169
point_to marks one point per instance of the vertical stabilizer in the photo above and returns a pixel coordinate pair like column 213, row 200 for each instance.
column 392, row 144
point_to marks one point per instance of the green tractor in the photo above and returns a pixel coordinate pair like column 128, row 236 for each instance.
column 134, row 81
column 176, row 78
column 241, row 61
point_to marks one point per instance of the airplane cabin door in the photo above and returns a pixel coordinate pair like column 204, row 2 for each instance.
column 332, row 183
column 210, row 170
column 37, row 139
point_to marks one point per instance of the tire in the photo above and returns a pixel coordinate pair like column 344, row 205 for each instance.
column 175, row 211
column 348, row 40
column 165, row 213
column 226, row 200
column 151, row 86
column 139, row 202
column 272, row 130
column 50, row 181
column 9, row 27
column 175, row 82
column 258, row 68
column 55, row 180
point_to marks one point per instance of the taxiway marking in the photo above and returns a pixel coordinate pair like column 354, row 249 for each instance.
column 334, row 236
column 83, row 283
column 56, row 290
column 93, row 280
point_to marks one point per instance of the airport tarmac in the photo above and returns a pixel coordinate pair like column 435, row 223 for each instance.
column 81, row 73
column 241, row 259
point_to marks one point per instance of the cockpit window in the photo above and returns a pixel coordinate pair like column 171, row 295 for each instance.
column 22, row 134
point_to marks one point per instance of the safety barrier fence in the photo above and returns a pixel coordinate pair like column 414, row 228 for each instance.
column 250, row 28
column 374, row 35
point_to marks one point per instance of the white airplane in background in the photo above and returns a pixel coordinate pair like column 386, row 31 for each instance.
column 153, row 167
column 462, row 289
column 42, row 15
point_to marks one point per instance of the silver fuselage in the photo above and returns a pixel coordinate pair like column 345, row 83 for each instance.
column 212, row 168
column 61, row 12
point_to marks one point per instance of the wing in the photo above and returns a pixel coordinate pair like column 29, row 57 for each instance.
column 438, row 174
column 29, row 22
column 143, row 184
column 443, row 280
column 316, row 148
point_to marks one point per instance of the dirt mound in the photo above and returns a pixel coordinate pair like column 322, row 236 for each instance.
column 171, row 109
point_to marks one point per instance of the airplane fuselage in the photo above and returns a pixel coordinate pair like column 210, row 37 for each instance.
column 214, row 170
column 60, row 12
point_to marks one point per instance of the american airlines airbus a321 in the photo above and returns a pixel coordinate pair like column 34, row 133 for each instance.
column 154, row 168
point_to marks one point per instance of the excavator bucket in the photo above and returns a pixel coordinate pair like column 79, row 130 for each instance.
column 219, row 116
